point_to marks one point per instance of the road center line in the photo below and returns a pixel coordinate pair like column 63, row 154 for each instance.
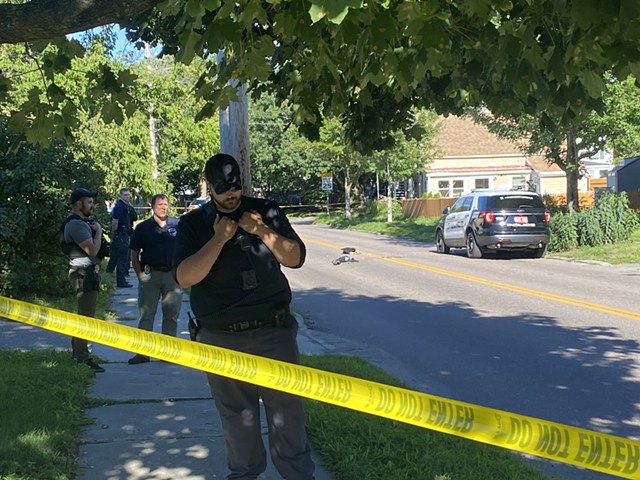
column 504, row 286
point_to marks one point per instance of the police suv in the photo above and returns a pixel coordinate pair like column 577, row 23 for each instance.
column 490, row 220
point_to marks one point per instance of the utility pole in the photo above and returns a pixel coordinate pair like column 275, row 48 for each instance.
column 234, row 134
column 153, row 140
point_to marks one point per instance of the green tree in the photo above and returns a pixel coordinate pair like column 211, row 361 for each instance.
column 621, row 119
column 281, row 158
column 183, row 143
column 408, row 156
column 336, row 154
column 567, row 144
column 369, row 63
column 159, row 147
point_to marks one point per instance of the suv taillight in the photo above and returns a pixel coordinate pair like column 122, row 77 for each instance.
column 547, row 216
column 488, row 217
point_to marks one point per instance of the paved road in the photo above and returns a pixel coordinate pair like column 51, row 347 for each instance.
column 546, row 338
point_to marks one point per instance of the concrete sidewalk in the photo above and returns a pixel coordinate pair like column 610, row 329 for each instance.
column 160, row 423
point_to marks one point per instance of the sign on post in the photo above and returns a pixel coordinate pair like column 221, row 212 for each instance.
column 327, row 182
column 327, row 186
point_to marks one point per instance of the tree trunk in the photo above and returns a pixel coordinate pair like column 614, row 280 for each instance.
column 234, row 136
column 389, row 194
column 572, row 173
column 347, row 194
column 153, row 141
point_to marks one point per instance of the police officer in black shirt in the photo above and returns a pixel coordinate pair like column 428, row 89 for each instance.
column 229, row 252
column 151, row 247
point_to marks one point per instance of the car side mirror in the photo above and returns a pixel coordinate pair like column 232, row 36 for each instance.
column 446, row 211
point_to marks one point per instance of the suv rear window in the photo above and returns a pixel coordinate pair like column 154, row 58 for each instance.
column 511, row 202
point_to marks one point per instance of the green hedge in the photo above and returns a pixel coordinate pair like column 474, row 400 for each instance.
column 609, row 221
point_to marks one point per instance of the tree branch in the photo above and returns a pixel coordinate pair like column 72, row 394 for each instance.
column 46, row 19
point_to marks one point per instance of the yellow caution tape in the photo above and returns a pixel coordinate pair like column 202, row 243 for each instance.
column 583, row 448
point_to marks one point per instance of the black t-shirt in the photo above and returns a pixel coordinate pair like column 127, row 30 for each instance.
column 156, row 242
column 122, row 213
column 222, row 297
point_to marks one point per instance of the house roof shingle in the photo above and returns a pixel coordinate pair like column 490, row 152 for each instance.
column 539, row 163
column 461, row 136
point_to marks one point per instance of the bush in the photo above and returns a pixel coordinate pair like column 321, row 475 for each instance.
column 616, row 220
column 371, row 209
column 588, row 229
column 609, row 221
column 564, row 235
column 34, row 196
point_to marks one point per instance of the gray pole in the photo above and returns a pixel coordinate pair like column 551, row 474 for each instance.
column 234, row 135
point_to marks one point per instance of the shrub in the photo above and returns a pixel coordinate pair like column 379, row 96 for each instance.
column 588, row 229
column 564, row 234
column 371, row 209
column 609, row 221
column 617, row 221
column 34, row 196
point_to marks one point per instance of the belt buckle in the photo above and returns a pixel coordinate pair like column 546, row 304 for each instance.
column 147, row 269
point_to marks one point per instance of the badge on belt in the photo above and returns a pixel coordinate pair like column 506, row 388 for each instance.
column 147, row 269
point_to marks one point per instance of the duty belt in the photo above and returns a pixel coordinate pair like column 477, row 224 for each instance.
column 279, row 317
column 148, row 269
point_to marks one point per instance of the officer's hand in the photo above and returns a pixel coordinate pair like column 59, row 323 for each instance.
column 251, row 222
column 224, row 227
column 96, row 227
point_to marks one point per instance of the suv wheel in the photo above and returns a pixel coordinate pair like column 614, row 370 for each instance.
column 473, row 249
column 441, row 247
column 540, row 252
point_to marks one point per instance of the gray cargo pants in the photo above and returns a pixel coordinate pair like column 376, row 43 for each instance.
column 238, row 404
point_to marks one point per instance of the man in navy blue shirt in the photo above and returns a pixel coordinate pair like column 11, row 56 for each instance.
column 120, row 236
column 151, row 256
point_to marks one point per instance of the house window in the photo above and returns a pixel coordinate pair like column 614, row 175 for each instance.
column 444, row 187
column 518, row 183
column 458, row 188
column 451, row 188
column 482, row 183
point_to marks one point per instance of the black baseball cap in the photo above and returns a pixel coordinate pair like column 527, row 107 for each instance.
column 223, row 172
column 79, row 193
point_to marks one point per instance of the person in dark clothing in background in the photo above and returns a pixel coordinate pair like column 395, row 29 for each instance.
column 82, row 238
column 121, row 229
column 230, row 252
column 151, row 255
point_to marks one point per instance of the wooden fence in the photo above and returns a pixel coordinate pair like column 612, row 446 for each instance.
column 425, row 207
column 432, row 207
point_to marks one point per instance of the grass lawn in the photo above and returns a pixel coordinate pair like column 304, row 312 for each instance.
column 42, row 394
column 359, row 446
column 621, row 252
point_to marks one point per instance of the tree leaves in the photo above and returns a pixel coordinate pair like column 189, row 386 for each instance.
column 334, row 10
column 331, row 57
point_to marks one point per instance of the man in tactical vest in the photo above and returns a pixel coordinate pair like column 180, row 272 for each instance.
column 83, row 237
